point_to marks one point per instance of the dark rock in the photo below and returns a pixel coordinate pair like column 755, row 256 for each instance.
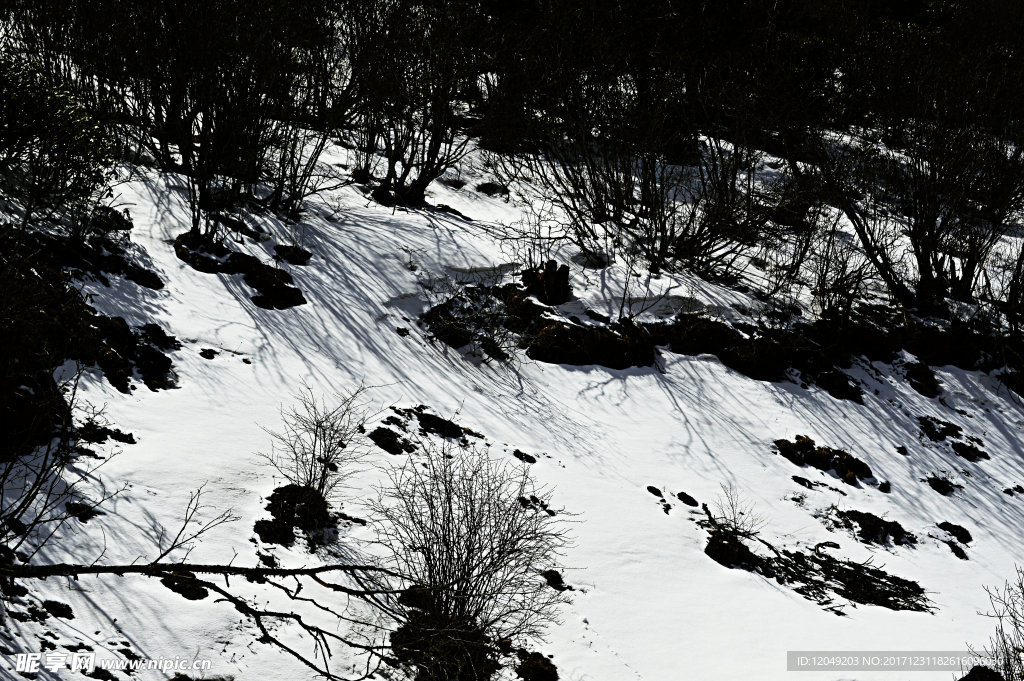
column 875, row 530
column 922, row 379
column 207, row 353
column 839, row 385
column 961, row 533
column 982, row 673
column 492, row 189
column 966, row 450
column 957, row 550
column 536, row 667
column 82, row 512
column 619, row 346
column 294, row 506
column 655, row 491
column 885, row 487
column 58, row 609
column 274, row 532
column 108, row 219
column 686, row 499
column 803, row 452
column 390, row 441
column 554, row 580
column 279, row 298
column 92, row 432
column 296, row 255
column 943, row 485
column 432, row 423
column 524, row 457
column 402, row 331
column 154, row 335
column 143, row 277
column 729, row 551
column 938, row 430
column 186, row 584
column 452, row 182
column 274, row 285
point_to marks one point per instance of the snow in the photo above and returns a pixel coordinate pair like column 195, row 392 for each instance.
column 648, row 603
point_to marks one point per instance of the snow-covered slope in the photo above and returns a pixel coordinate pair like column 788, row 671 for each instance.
column 647, row 604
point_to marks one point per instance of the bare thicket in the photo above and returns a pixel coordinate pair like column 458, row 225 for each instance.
column 465, row 537
column 320, row 440
column 1005, row 649
column 735, row 515
column 839, row 273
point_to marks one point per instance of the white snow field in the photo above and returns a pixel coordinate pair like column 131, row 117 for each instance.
column 647, row 604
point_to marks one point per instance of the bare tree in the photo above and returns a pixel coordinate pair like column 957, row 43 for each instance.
column 465, row 538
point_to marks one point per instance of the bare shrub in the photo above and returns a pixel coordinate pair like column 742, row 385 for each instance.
column 735, row 515
column 1005, row 649
column 467, row 311
column 320, row 440
column 840, row 273
column 466, row 538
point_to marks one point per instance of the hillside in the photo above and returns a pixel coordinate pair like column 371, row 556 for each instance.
column 615, row 446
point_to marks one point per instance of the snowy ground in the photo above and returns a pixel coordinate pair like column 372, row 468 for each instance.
column 648, row 603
